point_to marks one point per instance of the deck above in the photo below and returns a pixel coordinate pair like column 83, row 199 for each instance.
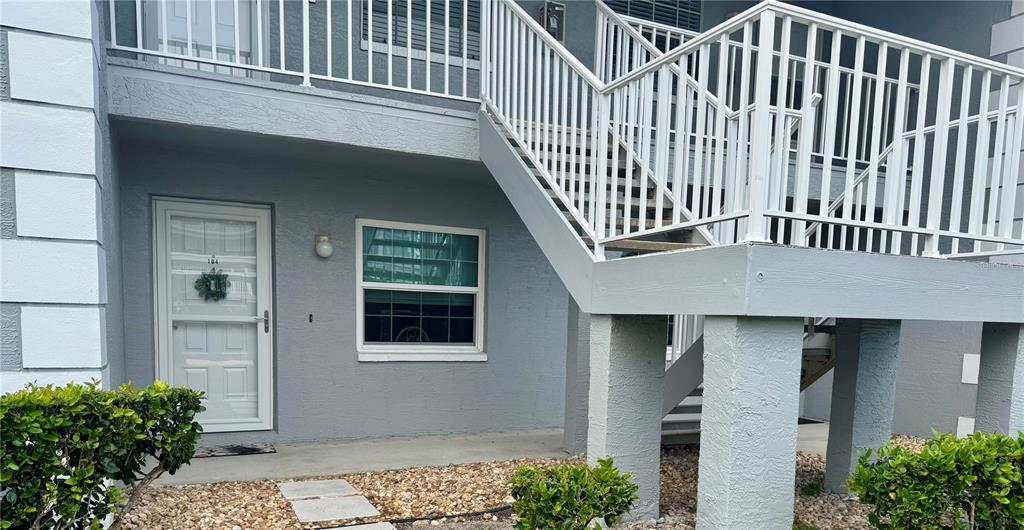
column 775, row 280
column 140, row 90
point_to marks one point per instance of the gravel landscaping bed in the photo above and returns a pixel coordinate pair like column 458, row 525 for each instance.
column 222, row 505
column 422, row 491
column 397, row 493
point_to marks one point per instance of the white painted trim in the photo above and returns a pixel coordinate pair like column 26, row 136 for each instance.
column 52, row 271
column 422, row 357
column 422, row 352
column 57, row 206
column 68, row 337
column 163, row 208
column 49, row 69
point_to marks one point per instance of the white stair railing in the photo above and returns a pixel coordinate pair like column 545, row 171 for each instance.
column 552, row 105
column 777, row 163
column 622, row 44
column 664, row 36
column 684, row 331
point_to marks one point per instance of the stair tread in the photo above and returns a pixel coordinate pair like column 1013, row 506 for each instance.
column 574, row 157
column 677, row 432
column 634, row 222
column 686, row 409
column 640, row 244
column 682, row 418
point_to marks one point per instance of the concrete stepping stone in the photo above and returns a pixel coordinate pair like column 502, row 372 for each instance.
column 307, row 489
column 332, row 508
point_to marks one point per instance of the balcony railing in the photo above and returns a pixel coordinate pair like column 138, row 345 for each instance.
column 781, row 125
column 420, row 46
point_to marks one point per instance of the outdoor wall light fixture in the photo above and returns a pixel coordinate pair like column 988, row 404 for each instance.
column 324, row 248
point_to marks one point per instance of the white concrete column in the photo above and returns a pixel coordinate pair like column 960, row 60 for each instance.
column 749, row 423
column 1001, row 379
column 55, row 177
column 577, row 379
column 863, row 394
column 627, row 372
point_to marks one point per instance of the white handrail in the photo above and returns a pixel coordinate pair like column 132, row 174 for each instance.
column 707, row 37
column 822, row 20
column 622, row 23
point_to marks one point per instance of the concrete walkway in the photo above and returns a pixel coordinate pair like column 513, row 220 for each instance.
column 371, row 454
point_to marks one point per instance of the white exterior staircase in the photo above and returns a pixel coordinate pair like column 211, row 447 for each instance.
column 677, row 141
column 714, row 141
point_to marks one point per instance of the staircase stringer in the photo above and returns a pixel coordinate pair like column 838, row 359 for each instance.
column 571, row 259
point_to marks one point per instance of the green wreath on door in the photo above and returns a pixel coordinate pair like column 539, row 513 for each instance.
column 213, row 285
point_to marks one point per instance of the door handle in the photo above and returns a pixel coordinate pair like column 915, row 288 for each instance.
column 265, row 319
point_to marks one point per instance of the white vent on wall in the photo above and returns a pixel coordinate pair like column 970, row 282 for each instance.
column 969, row 372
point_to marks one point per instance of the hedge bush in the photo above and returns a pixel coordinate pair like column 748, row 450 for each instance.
column 65, row 449
column 568, row 497
column 969, row 483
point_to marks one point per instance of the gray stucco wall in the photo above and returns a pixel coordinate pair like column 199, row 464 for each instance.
column 961, row 25
column 110, row 215
column 929, row 393
column 321, row 390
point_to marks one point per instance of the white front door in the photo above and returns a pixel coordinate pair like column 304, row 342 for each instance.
column 222, row 347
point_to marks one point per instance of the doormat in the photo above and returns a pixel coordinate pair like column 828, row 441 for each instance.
column 234, row 450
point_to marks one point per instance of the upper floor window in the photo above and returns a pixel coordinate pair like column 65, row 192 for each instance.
column 409, row 23
column 683, row 14
column 420, row 292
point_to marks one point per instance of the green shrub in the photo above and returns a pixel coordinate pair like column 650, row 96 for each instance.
column 63, row 449
column 567, row 497
column 968, row 483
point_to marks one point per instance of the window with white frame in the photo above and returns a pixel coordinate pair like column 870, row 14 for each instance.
column 420, row 292
column 679, row 13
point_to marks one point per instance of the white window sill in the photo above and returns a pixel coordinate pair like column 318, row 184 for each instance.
column 378, row 357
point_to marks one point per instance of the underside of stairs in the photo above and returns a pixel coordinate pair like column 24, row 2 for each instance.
column 681, row 424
